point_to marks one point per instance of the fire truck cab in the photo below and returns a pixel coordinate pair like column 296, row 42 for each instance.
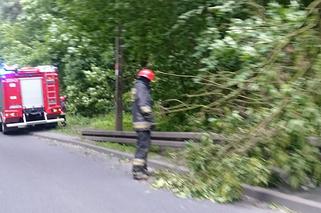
column 29, row 96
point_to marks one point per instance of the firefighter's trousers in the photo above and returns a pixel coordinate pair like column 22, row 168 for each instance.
column 142, row 148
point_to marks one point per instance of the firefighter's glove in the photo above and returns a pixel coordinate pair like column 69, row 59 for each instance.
column 146, row 109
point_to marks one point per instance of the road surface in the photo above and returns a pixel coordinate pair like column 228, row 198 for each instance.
column 43, row 176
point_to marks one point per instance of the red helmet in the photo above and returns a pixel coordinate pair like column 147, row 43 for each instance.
column 147, row 73
column 63, row 98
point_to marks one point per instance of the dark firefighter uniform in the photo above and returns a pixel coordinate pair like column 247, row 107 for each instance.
column 142, row 123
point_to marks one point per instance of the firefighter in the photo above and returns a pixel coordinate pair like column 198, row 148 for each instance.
column 63, row 104
column 63, row 100
column 142, row 121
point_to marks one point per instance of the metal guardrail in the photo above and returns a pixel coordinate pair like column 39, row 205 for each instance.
column 164, row 139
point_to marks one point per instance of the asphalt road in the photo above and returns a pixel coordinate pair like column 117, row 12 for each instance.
column 42, row 176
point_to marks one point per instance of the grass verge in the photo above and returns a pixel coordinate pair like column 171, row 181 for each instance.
column 106, row 122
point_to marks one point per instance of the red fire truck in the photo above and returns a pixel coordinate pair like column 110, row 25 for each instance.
column 29, row 96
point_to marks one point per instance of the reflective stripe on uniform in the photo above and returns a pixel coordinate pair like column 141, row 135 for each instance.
column 142, row 125
column 138, row 162
column 146, row 109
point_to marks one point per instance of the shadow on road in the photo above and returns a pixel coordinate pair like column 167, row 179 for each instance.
column 28, row 130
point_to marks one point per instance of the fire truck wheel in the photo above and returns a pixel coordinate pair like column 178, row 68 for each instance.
column 4, row 129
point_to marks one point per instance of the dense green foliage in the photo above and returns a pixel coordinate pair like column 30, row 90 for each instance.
column 250, row 70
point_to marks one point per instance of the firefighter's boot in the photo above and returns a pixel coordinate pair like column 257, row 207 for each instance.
column 139, row 173
column 146, row 171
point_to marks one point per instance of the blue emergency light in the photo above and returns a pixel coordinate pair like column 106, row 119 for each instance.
column 5, row 69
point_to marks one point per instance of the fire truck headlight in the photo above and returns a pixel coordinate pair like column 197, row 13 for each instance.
column 11, row 114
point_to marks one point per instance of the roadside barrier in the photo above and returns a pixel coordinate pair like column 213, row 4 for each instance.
column 163, row 139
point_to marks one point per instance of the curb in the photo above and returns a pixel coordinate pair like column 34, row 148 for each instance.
column 88, row 144
column 262, row 194
column 295, row 203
